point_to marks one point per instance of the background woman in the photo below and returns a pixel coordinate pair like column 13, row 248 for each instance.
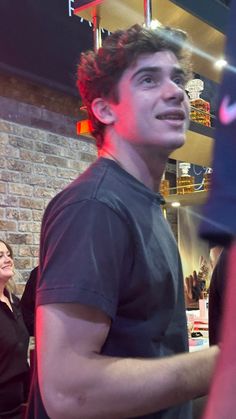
column 14, row 342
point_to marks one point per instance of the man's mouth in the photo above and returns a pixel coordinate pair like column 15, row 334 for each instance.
column 175, row 116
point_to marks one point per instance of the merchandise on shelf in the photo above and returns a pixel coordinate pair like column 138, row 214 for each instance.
column 164, row 187
column 207, row 177
column 200, row 108
column 185, row 182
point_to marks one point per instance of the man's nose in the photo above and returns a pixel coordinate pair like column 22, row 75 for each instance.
column 172, row 91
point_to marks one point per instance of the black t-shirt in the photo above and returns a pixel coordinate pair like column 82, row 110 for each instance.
column 122, row 259
column 14, row 340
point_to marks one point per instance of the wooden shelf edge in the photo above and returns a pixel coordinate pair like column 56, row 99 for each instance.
column 188, row 199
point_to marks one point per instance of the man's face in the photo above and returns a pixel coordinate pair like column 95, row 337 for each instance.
column 153, row 107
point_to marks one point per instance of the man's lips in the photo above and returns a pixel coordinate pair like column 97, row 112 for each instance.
column 172, row 115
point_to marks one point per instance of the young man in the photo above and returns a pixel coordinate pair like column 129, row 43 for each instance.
column 110, row 303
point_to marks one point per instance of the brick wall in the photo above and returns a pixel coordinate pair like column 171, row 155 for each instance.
column 40, row 154
column 35, row 165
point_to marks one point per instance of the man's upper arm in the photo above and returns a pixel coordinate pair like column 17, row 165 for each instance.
column 68, row 337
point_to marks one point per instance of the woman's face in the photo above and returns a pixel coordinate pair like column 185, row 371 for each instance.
column 6, row 264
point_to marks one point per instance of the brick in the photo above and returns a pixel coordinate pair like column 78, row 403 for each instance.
column 23, row 263
column 15, row 248
column 75, row 165
column 57, row 184
column 35, row 134
column 8, row 176
column 37, row 215
column 20, row 288
column 29, row 227
column 57, row 139
column 18, row 238
column 48, row 149
column 18, row 279
column 7, row 225
column 88, row 147
column 44, row 192
column 3, row 187
column 83, row 166
column 20, row 142
column 36, row 238
column 7, row 150
column 28, row 251
column 19, row 214
column 32, row 179
column 10, row 127
column 45, row 170
column 32, row 156
column 4, row 138
column 3, row 235
column 31, row 203
column 19, row 165
column 2, row 162
column 35, row 252
column 20, row 189
column 9, row 200
column 87, row 157
column 56, row 161
column 66, row 173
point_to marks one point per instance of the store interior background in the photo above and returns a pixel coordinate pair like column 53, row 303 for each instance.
column 41, row 153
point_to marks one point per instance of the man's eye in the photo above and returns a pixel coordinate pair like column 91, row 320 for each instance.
column 180, row 81
column 148, row 80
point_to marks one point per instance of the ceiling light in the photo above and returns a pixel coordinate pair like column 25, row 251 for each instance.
column 155, row 24
column 221, row 63
column 175, row 204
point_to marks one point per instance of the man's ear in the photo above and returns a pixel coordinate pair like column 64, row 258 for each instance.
column 102, row 110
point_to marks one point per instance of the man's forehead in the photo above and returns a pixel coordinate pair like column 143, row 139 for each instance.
column 158, row 60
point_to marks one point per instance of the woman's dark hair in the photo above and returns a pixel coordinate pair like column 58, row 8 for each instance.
column 99, row 73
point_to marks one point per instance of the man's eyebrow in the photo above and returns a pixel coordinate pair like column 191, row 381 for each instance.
column 156, row 69
column 178, row 71
column 149, row 69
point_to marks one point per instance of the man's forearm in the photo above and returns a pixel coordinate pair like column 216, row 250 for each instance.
column 105, row 387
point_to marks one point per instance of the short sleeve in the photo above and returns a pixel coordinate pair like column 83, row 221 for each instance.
column 85, row 253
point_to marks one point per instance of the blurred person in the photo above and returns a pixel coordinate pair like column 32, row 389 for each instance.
column 111, row 333
column 219, row 226
column 14, row 341
column 27, row 301
column 195, row 285
column 216, row 293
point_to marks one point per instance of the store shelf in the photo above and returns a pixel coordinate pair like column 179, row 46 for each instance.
column 208, row 41
column 198, row 146
column 188, row 199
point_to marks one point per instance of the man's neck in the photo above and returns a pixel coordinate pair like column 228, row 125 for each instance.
column 145, row 164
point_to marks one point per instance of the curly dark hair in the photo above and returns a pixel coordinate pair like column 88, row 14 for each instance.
column 99, row 73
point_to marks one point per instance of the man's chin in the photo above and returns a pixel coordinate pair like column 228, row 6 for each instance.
column 176, row 143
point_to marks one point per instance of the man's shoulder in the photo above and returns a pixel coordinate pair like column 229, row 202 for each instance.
column 102, row 181
column 82, row 188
